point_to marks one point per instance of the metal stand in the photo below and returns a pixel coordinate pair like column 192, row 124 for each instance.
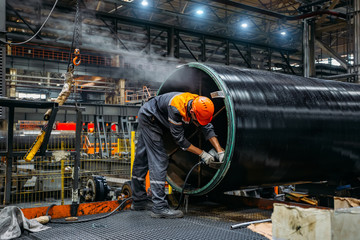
column 100, row 132
column 75, row 189
column 249, row 223
column 12, row 104
column 9, row 157
column 186, row 200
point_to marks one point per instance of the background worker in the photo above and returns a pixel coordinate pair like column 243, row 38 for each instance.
column 167, row 111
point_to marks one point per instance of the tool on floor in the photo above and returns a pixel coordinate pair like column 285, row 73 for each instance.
column 300, row 197
column 43, row 219
column 249, row 223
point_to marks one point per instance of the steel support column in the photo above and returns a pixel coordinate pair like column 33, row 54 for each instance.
column 203, row 48
column 308, row 48
column 2, row 53
column 177, row 45
column 357, row 39
column 75, row 190
column 227, row 53
column 248, row 54
column 9, row 157
column 269, row 58
column 148, row 44
column 170, row 42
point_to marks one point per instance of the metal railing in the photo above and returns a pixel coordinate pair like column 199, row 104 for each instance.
column 48, row 180
column 60, row 55
column 40, row 182
column 135, row 96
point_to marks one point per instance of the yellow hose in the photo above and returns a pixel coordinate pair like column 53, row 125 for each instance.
column 64, row 94
column 35, row 147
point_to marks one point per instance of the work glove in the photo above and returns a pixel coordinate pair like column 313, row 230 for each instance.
column 206, row 158
column 221, row 156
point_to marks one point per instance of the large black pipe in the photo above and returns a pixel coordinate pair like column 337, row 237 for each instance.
column 277, row 128
column 22, row 140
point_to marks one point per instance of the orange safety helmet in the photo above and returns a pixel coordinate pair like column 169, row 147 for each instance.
column 203, row 108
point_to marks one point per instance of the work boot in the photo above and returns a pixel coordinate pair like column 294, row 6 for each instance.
column 167, row 213
column 141, row 205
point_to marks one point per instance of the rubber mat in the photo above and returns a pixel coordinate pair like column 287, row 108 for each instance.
column 139, row 225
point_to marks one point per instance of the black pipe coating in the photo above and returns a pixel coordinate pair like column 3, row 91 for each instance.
column 277, row 128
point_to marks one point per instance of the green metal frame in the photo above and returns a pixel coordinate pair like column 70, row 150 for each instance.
column 229, row 106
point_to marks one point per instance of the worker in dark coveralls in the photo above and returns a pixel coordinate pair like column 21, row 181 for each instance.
column 171, row 110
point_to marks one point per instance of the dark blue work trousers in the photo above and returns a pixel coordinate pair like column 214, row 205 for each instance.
column 150, row 155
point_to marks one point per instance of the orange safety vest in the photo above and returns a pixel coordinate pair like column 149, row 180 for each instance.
column 180, row 102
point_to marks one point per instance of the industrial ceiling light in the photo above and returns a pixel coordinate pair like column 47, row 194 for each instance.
column 144, row 3
column 199, row 12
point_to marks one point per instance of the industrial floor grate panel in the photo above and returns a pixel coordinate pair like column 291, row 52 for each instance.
column 139, row 225
column 228, row 212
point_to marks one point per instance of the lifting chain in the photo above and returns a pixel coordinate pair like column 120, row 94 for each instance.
column 75, row 44
column 76, row 39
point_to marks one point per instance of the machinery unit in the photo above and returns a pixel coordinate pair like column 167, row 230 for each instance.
column 96, row 189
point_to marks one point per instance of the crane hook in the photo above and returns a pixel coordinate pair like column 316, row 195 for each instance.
column 77, row 60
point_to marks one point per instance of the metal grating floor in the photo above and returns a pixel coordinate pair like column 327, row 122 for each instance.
column 203, row 221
